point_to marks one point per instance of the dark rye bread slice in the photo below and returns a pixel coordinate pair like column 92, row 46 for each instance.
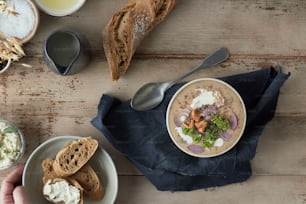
column 127, row 29
column 74, row 156
column 89, row 180
column 71, row 182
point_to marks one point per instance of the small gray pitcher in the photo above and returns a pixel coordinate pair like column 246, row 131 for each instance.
column 66, row 52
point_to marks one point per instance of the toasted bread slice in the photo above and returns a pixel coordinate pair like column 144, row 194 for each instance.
column 74, row 156
column 89, row 180
column 60, row 191
column 48, row 170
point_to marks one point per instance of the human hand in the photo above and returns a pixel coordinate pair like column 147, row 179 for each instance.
column 11, row 191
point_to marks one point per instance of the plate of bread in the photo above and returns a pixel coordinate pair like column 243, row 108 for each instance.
column 70, row 169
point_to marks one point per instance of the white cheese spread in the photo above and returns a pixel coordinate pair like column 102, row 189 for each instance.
column 62, row 192
column 10, row 145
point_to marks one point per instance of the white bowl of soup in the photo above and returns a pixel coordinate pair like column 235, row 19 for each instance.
column 206, row 117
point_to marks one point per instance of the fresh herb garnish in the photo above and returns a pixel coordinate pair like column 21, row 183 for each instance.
column 211, row 133
column 9, row 130
column 220, row 122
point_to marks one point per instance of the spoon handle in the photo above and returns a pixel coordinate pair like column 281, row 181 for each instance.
column 213, row 59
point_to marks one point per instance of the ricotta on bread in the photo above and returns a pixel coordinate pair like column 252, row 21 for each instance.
column 71, row 172
column 63, row 191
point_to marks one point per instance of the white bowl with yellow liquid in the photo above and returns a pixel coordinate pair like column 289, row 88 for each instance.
column 59, row 7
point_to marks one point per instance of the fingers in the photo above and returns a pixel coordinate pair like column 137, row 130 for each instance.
column 9, row 182
column 15, row 175
column 19, row 195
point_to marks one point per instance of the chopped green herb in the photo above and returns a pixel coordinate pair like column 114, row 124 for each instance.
column 220, row 122
column 9, row 130
column 211, row 133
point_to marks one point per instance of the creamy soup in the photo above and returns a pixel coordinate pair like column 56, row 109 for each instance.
column 206, row 118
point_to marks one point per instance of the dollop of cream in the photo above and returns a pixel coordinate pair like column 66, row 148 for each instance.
column 207, row 98
column 219, row 142
column 186, row 138
column 204, row 98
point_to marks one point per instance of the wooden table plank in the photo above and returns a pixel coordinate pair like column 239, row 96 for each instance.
column 197, row 26
column 258, row 189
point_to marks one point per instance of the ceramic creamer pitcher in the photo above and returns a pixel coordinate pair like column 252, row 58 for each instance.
column 66, row 52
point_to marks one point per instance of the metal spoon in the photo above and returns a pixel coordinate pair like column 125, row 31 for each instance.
column 151, row 95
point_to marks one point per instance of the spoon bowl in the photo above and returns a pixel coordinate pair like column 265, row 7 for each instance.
column 148, row 97
column 151, row 95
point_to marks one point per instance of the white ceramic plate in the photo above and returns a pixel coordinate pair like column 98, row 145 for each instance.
column 101, row 163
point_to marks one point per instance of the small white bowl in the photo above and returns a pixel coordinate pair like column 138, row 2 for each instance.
column 6, row 66
column 24, row 24
column 56, row 11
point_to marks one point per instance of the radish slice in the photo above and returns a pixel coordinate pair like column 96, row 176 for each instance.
column 197, row 149
column 209, row 111
column 233, row 121
column 225, row 135
column 181, row 117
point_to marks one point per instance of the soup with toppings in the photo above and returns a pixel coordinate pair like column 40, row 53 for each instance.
column 206, row 117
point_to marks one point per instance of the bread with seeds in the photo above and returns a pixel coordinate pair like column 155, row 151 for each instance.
column 127, row 28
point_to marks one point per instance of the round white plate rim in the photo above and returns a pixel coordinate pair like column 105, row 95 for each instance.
column 70, row 138
column 195, row 81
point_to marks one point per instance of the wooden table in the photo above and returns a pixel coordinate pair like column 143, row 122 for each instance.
column 258, row 34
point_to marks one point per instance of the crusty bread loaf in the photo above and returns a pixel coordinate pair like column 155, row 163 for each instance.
column 74, row 156
column 128, row 27
column 70, row 182
column 89, row 180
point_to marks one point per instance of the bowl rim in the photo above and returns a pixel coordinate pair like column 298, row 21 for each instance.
column 73, row 137
column 22, row 143
column 59, row 13
column 32, row 31
column 8, row 64
column 196, row 81
column 36, row 23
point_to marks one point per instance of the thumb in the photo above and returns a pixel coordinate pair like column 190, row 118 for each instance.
column 19, row 195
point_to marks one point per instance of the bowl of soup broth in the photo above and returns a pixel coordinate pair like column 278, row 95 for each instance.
column 206, row 117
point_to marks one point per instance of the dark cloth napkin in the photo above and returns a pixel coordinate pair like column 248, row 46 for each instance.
column 143, row 138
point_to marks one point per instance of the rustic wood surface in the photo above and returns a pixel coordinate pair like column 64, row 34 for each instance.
column 258, row 34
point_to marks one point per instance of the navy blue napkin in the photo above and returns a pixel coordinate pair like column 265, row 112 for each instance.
column 143, row 138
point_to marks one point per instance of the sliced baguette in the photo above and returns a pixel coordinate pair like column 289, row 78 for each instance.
column 74, row 156
column 70, row 182
column 48, row 170
column 86, row 177
column 89, row 180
